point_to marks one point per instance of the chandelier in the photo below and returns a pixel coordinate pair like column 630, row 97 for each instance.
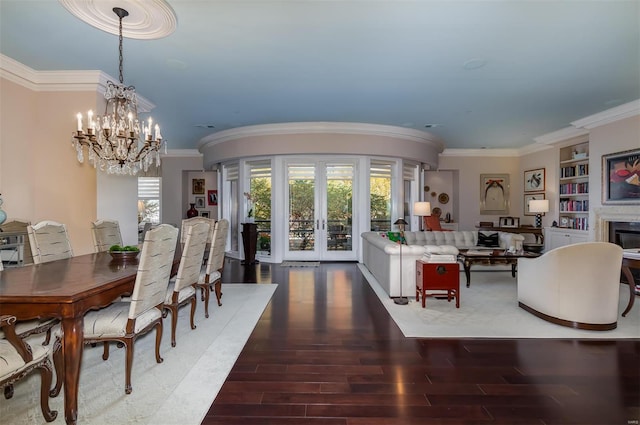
column 118, row 142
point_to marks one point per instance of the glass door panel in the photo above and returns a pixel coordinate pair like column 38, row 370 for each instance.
column 302, row 209
column 338, row 194
column 320, row 199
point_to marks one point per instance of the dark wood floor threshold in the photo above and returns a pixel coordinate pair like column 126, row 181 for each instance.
column 325, row 351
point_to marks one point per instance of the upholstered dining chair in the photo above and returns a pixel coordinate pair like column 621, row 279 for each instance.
column 182, row 290
column 124, row 321
column 18, row 359
column 105, row 233
column 49, row 241
column 215, row 264
column 190, row 222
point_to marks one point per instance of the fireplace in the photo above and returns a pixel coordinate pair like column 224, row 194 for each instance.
column 620, row 225
column 625, row 234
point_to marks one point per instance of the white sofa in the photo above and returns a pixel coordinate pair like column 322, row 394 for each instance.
column 382, row 256
column 575, row 285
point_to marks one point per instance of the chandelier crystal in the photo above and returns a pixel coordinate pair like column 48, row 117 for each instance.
column 118, row 142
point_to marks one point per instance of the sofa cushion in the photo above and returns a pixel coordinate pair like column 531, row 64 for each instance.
column 489, row 240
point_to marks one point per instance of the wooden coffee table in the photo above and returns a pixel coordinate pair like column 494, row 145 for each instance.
column 469, row 257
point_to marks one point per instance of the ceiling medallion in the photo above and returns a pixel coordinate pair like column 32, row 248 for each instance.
column 147, row 20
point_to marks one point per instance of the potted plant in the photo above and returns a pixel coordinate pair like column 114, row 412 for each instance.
column 264, row 242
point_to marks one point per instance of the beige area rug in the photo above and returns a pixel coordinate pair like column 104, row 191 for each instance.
column 489, row 309
column 300, row 264
column 178, row 391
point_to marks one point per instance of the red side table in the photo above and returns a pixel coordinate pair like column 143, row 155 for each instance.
column 437, row 276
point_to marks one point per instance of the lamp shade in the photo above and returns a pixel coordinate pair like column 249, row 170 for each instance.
column 539, row 205
column 422, row 209
column 401, row 221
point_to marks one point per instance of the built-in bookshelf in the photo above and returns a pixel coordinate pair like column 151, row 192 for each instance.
column 573, row 190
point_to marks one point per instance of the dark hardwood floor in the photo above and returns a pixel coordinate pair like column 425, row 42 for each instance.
column 326, row 352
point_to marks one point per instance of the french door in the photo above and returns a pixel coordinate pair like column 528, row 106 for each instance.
column 320, row 203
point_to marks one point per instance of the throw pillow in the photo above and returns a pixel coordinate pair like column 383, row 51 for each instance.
column 395, row 237
column 490, row 241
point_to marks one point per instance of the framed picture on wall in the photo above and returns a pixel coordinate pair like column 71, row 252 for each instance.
column 204, row 214
column 200, row 202
column 534, row 180
column 197, row 186
column 494, row 194
column 530, row 197
column 621, row 177
column 212, row 197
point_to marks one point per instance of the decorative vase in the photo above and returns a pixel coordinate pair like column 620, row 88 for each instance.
column 3, row 215
column 192, row 212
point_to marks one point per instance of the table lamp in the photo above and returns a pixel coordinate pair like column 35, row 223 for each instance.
column 539, row 206
column 422, row 209
column 401, row 223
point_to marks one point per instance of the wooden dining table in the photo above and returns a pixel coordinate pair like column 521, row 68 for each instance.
column 67, row 289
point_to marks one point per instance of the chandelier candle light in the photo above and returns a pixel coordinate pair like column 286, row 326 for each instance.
column 118, row 142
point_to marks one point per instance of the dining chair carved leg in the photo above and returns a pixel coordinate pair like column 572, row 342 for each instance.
column 204, row 291
column 46, row 374
column 218, row 289
column 58, row 365
column 193, row 312
column 158, row 341
column 105, row 352
column 128, row 364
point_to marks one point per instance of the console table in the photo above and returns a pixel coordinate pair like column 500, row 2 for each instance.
column 535, row 231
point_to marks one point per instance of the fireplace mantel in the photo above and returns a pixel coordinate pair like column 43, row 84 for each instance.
column 605, row 214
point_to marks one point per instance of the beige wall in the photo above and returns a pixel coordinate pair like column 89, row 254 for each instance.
column 40, row 178
column 468, row 190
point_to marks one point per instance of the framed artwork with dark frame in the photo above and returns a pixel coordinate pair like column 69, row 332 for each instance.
column 197, row 186
column 212, row 197
column 509, row 222
column 494, row 194
column 534, row 180
column 621, row 178
column 205, row 214
column 200, row 202
column 530, row 197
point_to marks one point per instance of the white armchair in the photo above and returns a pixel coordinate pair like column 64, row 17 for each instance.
column 575, row 285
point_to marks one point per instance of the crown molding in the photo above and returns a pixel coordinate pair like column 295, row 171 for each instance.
column 480, row 152
column 323, row 128
column 58, row 81
column 181, row 153
column 610, row 115
column 560, row 135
